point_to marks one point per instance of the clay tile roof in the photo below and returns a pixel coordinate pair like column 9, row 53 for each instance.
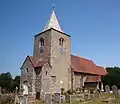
column 36, row 62
column 93, row 79
column 83, row 65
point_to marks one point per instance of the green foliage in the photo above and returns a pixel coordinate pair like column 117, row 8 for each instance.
column 16, row 83
column 70, row 91
column 113, row 77
column 7, row 83
column 62, row 91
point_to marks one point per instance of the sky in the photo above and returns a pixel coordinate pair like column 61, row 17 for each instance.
column 94, row 26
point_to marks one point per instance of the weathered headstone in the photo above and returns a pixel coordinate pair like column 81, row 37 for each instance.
column 97, row 94
column 57, row 98
column 48, row 98
column 86, row 96
column 16, row 90
column 62, row 98
column 115, row 91
column 0, row 89
column 68, row 99
column 42, row 96
column 107, row 88
column 16, row 101
column 102, row 89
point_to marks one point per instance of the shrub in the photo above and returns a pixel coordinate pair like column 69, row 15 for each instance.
column 62, row 91
column 70, row 91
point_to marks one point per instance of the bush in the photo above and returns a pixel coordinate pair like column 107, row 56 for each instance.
column 62, row 91
column 78, row 90
column 70, row 91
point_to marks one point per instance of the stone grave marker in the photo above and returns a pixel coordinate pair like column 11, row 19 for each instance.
column 119, row 92
column 68, row 98
column 42, row 96
column 16, row 96
column 48, row 98
column 102, row 89
column 97, row 94
column 86, row 96
column 115, row 91
column 62, row 98
column 0, row 89
column 57, row 98
column 107, row 88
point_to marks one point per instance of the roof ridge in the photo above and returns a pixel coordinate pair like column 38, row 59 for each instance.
column 81, row 57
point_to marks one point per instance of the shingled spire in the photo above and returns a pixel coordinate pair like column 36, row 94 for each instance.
column 53, row 23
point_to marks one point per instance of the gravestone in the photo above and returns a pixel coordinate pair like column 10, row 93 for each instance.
column 86, row 96
column 115, row 91
column 102, row 89
column 16, row 90
column 0, row 89
column 57, row 98
column 16, row 101
column 42, row 96
column 107, row 88
column 68, row 98
column 97, row 94
column 48, row 98
column 62, row 98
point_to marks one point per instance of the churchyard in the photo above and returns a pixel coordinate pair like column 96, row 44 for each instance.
column 88, row 96
column 104, row 98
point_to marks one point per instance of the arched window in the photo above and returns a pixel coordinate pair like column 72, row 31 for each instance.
column 46, row 73
column 61, row 42
column 41, row 43
column 26, row 70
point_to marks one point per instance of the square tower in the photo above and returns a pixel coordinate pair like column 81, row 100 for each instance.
column 53, row 46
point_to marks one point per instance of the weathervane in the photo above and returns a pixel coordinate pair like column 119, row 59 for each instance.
column 53, row 6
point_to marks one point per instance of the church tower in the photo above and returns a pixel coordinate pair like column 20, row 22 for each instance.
column 53, row 45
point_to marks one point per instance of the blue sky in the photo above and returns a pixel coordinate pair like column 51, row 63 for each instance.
column 94, row 26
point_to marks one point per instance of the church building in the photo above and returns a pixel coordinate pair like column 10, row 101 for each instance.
column 52, row 65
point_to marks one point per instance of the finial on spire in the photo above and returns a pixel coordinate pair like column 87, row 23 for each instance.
column 53, row 22
column 53, row 6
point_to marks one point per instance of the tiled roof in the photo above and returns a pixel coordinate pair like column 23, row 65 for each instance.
column 36, row 62
column 78, row 64
column 93, row 79
column 83, row 65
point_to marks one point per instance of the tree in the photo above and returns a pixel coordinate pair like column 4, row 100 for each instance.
column 6, row 81
column 113, row 77
column 16, row 83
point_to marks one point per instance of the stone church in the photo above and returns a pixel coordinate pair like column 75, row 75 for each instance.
column 53, row 67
